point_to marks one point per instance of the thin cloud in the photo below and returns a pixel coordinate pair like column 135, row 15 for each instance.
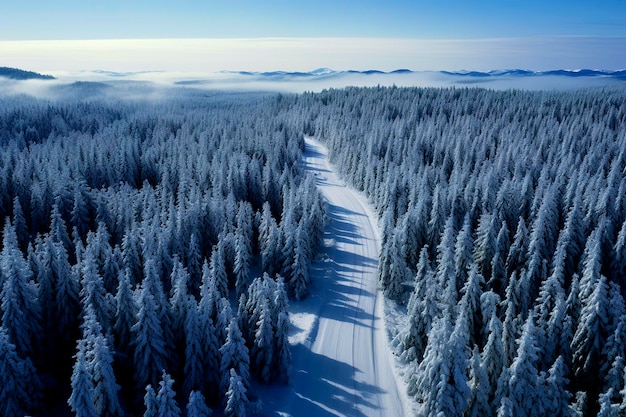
column 303, row 54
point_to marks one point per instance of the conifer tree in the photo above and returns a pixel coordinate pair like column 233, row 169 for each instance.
column 607, row 408
column 93, row 292
column 179, row 298
column 517, row 256
column 80, row 214
column 21, row 228
column 282, row 349
column 299, row 270
column 81, row 400
column 479, row 388
column 498, row 279
column 21, row 312
column 523, row 384
column 486, row 244
column 125, row 313
column 67, row 293
column 421, row 310
column 166, row 398
column 58, row 229
column 217, row 268
column 242, row 261
column 19, row 383
column 590, row 334
column 150, row 402
column 236, row 399
column 234, row 355
column 463, row 253
column 196, row 407
column 263, row 347
column 493, row 355
column 131, row 254
column 555, row 397
column 193, row 368
column 106, row 390
column 270, row 246
column 194, row 263
column 150, row 353
column 445, row 273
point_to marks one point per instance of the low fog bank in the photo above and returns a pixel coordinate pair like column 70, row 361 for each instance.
column 159, row 84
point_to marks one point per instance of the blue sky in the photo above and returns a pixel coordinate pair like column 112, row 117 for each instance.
column 89, row 19
column 348, row 34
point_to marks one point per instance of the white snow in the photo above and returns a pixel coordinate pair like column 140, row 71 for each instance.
column 342, row 365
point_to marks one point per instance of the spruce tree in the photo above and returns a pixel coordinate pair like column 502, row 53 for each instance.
column 262, row 351
column 21, row 312
column 299, row 271
column 196, row 407
column 236, row 399
column 20, row 387
column 234, row 355
column 166, row 398
column 81, row 401
column 150, row 353
column 150, row 402
column 479, row 387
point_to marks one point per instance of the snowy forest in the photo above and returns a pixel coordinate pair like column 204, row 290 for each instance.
column 503, row 218
column 150, row 248
column 132, row 236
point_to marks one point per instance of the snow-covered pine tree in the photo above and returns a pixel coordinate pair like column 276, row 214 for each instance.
column 166, row 398
column 234, row 355
column 81, row 399
column 106, row 390
column 463, row 252
column 299, row 269
column 193, row 368
column 524, row 391
column 125, row 314
column 150, row 353
column 150, row 402
column 21, row 312
column 217, row 268
column 196, row 407
column 281, row 367
column 236, row 399
column 262, row 352
column 93, row 291
column 479, row 387
column 20, row 390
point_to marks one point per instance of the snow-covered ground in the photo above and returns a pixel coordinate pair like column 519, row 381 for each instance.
column 342, row 365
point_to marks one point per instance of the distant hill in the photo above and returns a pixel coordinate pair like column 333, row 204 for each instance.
column 18, row 74
column 326, row 73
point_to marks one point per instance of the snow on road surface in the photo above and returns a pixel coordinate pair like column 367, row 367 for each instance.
column 342, row 365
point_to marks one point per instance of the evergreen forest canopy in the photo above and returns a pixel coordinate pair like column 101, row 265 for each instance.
column 19, row 74
column 503, row 232
column 133, row 231
column 149, row 247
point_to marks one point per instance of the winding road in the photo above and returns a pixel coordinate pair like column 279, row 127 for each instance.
column 344, row 367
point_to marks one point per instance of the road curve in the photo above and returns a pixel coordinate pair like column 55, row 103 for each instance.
column 345, row 368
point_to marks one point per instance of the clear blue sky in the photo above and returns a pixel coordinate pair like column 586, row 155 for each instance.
column 119, row 19
column 302, row 35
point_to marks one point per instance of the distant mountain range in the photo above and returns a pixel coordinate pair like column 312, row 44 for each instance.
column 326, row 72
column 18, row 74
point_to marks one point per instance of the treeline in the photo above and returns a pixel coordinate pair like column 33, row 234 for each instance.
column 133, row 235
column 504, row 234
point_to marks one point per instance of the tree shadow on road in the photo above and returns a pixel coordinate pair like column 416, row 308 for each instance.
column 330, row 388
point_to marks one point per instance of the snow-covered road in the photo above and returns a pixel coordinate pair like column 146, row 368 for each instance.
column 341, row 361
